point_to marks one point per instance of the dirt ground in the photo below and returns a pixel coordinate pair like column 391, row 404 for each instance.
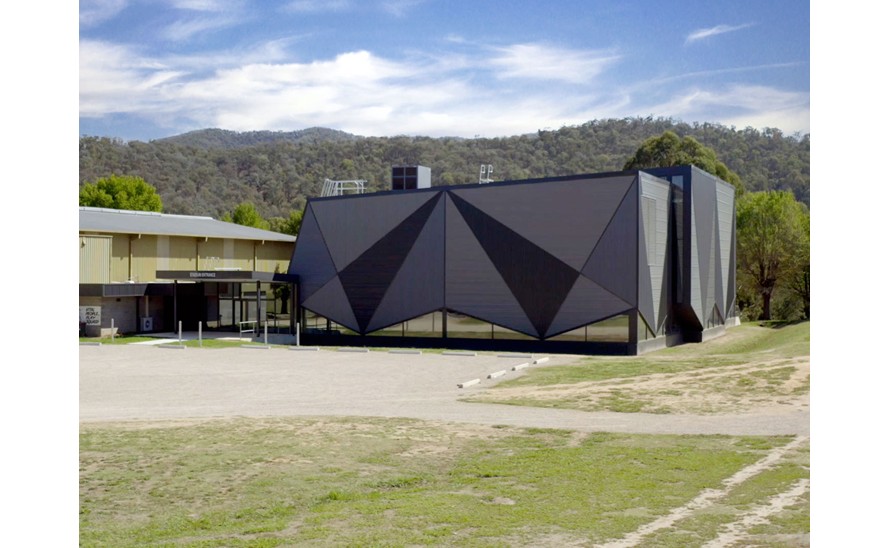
column 757, row 387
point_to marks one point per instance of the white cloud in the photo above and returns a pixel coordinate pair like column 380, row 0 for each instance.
column 205, row 5
column 701, row 34
column 116, row 79
column 399, row 8
column 542, row 62
column 740, row 106
column 316, row 6
column 93, row 12
column 185, row 29
column 363, row 93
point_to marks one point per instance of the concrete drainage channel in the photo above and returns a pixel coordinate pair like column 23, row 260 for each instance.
column 502, row 372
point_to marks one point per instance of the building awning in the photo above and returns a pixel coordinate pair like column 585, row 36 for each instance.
column 225, row 276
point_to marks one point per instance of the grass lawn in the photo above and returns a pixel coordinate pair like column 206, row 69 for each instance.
column 392, row 482
column 749, row 365
column 398, row 482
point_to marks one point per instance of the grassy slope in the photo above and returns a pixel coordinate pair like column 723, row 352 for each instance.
column 574, row 386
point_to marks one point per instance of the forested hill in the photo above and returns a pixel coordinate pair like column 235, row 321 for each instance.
column 223, row 138
column 210, row 172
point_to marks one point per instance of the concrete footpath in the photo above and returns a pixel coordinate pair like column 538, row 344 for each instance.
column 147, row 383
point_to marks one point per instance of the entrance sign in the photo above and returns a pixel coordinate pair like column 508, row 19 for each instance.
column 91, row 315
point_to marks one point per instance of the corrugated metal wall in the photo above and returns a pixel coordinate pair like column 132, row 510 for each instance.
column 95, row 259
column 182, row 253
column 144, row 250
column 273, row 254
column 654, row 260
column 120, row 258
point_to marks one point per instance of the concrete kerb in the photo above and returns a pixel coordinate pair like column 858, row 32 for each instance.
column 171, row 346
column 520, row 366
column 257, row 346
column 305, row 348
column 496, row 374
column 469, row 383
column 352, row 349
column 405, row 351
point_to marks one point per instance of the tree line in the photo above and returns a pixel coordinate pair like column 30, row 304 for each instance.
column 266, row 185
column 198, row 175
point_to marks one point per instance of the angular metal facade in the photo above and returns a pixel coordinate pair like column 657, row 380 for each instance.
column 540, row 257
column 705, row 296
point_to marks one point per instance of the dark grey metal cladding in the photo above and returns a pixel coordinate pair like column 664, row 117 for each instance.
column 352, row 224
column 725, row 219
column 587, row 302
column 331, row 302
column 368, row 277
column 473, row 286
column 654, row 249
column 730, row 294
column 539, row 280
column 418, row 287
column 525, row 255
column 612, row 264
column 706, row 261
column 703, row 198
column 564, row 217
column 311, row 258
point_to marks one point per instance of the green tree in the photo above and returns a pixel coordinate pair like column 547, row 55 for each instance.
column 671, row 150
column 772, row 243
column 800, row 279
column 289, row 225
column 121, row 192
column 245, row 214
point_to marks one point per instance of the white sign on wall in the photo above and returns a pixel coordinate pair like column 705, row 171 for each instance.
column 91, row 315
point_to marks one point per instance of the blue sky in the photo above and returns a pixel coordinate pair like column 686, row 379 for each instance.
column 154, row 68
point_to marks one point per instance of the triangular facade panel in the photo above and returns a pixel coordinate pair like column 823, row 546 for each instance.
column 703, row 202
column 711, row 270
column 538, row 280
column 730, row 290
column 473, row 286
column 370, row 218
column 725, row 224
column 587, row 302
column 645, row 304
column 418, row 287
column 368, row 277
column 311, row 258
column 330, row 301
column 612, row 263
column 565, row 218
column 664, row 306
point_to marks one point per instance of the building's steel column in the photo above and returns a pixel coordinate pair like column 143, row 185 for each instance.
column 175, row 304
column 258, row 306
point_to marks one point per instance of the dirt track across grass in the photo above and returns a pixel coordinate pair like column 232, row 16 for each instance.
column 121, row 383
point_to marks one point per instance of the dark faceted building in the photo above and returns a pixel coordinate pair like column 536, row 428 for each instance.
column 618, row 263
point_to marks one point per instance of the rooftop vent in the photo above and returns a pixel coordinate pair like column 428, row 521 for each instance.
column 411, row 177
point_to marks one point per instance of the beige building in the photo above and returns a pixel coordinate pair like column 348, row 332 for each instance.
column 147, row 272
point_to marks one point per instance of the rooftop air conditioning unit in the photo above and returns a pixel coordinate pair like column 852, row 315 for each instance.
column 411, row 177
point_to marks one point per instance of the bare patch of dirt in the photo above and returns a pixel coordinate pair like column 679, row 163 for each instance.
column 760, row 385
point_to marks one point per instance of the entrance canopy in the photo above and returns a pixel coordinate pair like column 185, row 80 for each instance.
column 226, row 276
